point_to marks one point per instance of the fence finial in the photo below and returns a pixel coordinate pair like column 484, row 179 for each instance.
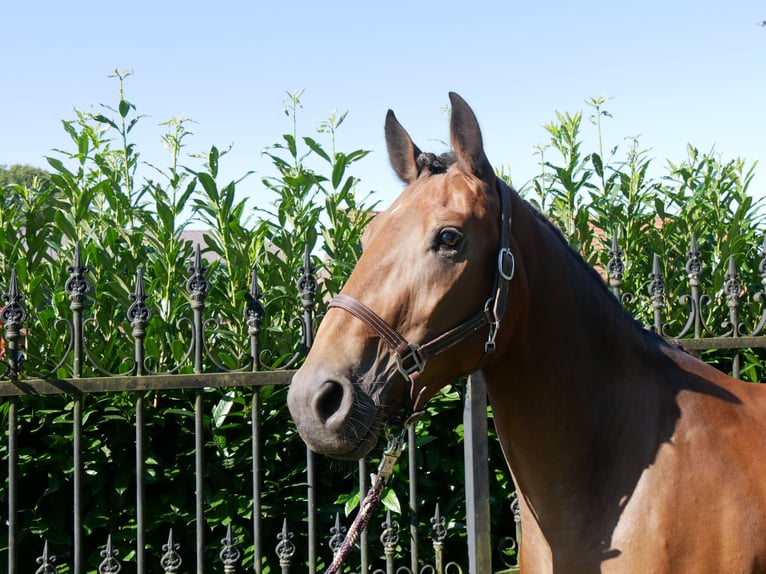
column 230, row 554
column 46, row 562
column 110, row 564
column 171, row 560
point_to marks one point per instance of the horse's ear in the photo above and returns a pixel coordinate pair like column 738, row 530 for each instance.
column 401, row 150
column 466, row 140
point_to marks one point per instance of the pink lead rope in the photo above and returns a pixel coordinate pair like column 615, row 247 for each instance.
column 394, row 449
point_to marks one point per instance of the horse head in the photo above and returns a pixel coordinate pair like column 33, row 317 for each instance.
column 423, row 304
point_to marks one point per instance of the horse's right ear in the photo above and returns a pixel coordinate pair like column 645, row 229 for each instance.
column 402, row 152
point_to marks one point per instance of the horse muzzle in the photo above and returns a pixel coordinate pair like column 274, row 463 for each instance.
column 332, row 416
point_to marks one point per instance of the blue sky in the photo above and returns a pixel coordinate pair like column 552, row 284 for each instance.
column 678, row 71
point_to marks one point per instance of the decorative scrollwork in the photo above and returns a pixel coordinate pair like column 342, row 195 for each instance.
column 693, row 263
column 110, row 564
column 77, row 285
column 657, row 293
column 615, row 267
column 254, row 312
column 732, row 288
column 389, row 537
column 230, row 554
column 46, row 562
column 171, row 560
column 13, row 314
column 139, row 313
column 307, row 282
column 285, row 548
column 197, row 285
column 338, row 534
column 438, row 528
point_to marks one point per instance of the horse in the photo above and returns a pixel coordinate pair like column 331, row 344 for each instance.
column 628, row 454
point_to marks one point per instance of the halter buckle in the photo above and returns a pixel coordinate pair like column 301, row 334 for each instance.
column 396, row 444
column 505, row 255
column 410, row 361
column 489, row 345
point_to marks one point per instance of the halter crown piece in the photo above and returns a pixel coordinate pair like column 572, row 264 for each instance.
column 411, row 358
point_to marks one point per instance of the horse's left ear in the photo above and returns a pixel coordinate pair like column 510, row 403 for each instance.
column 466, row 140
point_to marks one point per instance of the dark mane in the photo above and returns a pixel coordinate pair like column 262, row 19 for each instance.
column 432, row 163
column 597, row 278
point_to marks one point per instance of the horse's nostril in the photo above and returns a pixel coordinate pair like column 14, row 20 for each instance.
column 328, row 400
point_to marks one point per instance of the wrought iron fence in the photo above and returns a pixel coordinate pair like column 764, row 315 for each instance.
column 200, row 369
column 205, row 371
column 697, row 332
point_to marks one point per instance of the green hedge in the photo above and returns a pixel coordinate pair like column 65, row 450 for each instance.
column 95, row 199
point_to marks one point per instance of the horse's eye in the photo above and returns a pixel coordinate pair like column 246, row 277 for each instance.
column 449, row 237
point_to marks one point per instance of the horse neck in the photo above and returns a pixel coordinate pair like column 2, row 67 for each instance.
column 566, row 382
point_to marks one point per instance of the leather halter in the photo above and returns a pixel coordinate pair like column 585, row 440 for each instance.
column 411, row 358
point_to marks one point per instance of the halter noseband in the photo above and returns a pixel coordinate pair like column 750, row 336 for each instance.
column 411, row 358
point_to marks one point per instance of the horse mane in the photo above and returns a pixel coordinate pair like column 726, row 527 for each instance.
column 613, row 303
column 432, row 163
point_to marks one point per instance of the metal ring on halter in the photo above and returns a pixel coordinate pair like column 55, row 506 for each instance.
column 500, row 263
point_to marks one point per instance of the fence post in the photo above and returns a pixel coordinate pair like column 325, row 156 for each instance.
column 476, row 454
column 13, row 316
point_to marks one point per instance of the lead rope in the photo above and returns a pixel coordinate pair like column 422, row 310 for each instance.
column 396, row 443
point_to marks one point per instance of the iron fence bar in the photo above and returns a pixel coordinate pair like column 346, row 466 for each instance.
column 138, row 314
column 363, row 544
column 255, row 313
column 693, row 272
column 311, row 508
column 732, row 288
column 13, row 316
column 198, row 286
column 199, row 465
column 140, row 469
column 719, row 343
column 77, row 483
column 166, row 382
column 413, row 502
column 77, row 287
column 255, row 421
column 12, row 482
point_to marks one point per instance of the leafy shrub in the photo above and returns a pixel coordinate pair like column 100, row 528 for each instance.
column 128, row 228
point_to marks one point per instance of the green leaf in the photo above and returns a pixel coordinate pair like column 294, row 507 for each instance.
column 317, row 149
column 351, row 503
column 208, row 183
column 125, row 108
column 597, row 164
column 102, row 119
column 338, row 169
column 291, row 145
column 212, row 161
column 391, row 501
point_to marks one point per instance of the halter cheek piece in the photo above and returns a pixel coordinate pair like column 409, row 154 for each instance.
column 411, row 358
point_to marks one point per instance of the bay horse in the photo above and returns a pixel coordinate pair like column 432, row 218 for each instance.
column 629, row 455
